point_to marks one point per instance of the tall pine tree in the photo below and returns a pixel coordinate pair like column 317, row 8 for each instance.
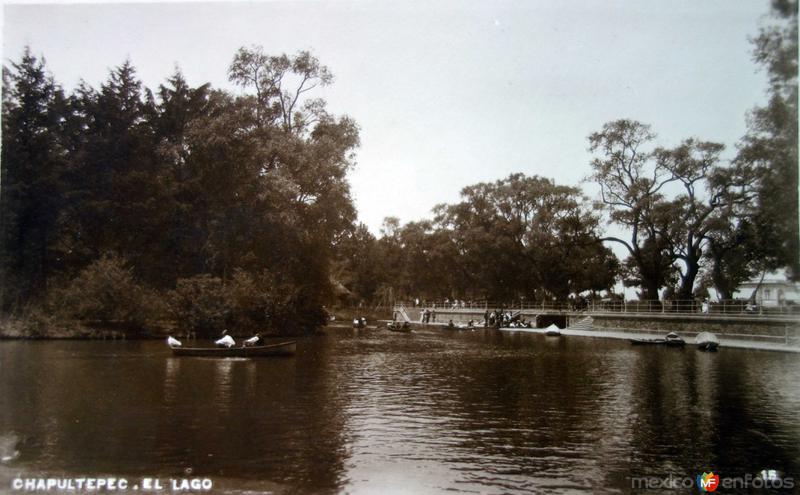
column 33, row 163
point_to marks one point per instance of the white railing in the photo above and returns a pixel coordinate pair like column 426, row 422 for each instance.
column 715, row 308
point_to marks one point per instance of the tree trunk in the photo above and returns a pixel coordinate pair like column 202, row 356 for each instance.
column 650, row 291
column 686, row 290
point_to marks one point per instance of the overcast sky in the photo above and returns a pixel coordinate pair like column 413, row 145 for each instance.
column 446, row 94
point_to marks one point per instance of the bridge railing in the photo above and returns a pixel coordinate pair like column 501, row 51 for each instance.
column 715, row 308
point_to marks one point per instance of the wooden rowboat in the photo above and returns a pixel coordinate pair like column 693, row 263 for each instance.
column 396, row 327
column 282, row 349
column 672, row 339
column 648, row 341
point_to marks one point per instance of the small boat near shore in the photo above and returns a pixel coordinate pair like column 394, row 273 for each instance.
column 397, row 327
column 707, row 341
column 672, row 339
column 648, row 341
column 280, row 349
column 552, row 331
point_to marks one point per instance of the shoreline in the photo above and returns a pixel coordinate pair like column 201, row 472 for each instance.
column 16, row 329
column 625, row 334
column 87, row 334
column 622, row 334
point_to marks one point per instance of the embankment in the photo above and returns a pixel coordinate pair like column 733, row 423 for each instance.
column 775, row 331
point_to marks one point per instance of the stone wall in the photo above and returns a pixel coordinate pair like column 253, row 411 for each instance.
column 747, row 328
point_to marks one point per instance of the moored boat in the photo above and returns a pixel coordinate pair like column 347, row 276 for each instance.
column 552, row 331
column 281, row 349
column 706, row 341
column 648, row 341
column 674, row 340
column 397, row 327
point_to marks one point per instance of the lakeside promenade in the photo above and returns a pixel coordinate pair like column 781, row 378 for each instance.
column 764, row 331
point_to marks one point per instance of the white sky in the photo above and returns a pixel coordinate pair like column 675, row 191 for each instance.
column 446, row 94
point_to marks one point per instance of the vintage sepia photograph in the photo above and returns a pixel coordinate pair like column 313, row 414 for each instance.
column 371, row 247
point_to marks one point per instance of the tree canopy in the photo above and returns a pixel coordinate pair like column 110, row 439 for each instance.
column 179, row 183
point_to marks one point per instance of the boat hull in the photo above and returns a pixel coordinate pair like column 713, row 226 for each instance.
column 708, row 346
column 552, row 331
column 282, row 349
column 396, row 327
column 707, row 341
column 672, row 340
column 648, row 341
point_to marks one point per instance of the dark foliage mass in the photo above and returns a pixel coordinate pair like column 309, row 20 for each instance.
column 516, row 238
column 770, row 146
column 189, row 191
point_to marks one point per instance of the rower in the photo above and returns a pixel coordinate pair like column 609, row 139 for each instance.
column 226, row 341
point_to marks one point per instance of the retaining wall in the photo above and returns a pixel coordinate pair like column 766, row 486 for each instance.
column 756, row 328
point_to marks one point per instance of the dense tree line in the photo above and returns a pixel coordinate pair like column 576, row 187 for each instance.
column 178, row 187
column 519, row 237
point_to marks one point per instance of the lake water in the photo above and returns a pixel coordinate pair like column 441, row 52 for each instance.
column 372, row 411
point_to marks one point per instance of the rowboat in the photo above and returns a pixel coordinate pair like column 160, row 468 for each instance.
column 672, row 339
column 648, row 341
column 281, row 349
column 397, row 327
column 462, row 326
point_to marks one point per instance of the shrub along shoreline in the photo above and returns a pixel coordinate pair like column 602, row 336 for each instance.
column 106, row 301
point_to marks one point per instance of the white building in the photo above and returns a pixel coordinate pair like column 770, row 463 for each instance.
column 774, row 290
